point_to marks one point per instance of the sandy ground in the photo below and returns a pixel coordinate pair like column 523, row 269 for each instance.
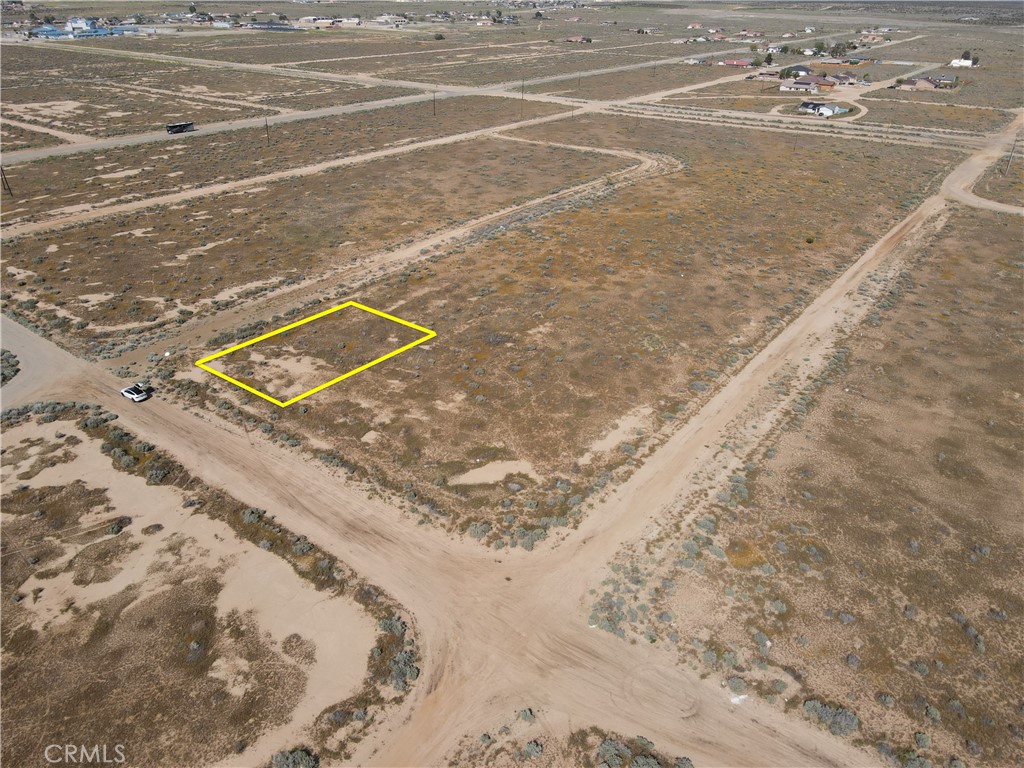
column 512, row 632
column 256, row 583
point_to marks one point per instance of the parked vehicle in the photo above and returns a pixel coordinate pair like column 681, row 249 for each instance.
column 136, row 393
column 181, row 127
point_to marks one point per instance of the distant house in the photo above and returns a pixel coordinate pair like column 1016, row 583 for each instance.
column 736, row 62
column 48, row 31
column 808, row 84
column 810, row 107
column 845, row 78
column 695, row 25
column 694, row 60
column 821, row 109
column 648, row 31
column 961, row 63
column 819, row 82
column 830, row 110
column 799, row 70
column 576, row 39
column 918, row 84
column 78, row 24
column 795, row 85
column 929, row 83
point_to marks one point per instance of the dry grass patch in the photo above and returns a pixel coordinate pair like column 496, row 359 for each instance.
column 948, row 116
column 46, row 187
column 621, row 85
column 164, row 265
column 14, row 137
column 762, row 104
column 1004, row 181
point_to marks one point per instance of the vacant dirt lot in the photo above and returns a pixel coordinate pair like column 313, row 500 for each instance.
column 97, row 95
column 935, row 115
column 14, row 137
column 1004, row 181
column 551, row 333
column 621, row 85
column 178, row 260
column 48, row 188
column 762, row 104
column 865, row 569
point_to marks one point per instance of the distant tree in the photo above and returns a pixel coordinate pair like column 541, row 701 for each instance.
column 192, row 8
column 965, row 55
column 819, row 46
column 784, row 49
column 32, row 16
column 282, row 17
column 753, row 47
column 49, row 19
column 439, row 36
column 538, row 15
column 974, row 61
column 769, row 59
column 757, row 61
column 838, row 50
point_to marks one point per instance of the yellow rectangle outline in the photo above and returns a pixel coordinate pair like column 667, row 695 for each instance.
column 202, row 363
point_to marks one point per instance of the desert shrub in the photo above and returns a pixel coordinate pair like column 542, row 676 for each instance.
column 251, row 516
column 302, row 546
column 403, row 670
column 613, row 753
column 296, row 758
column 533, row 749
column 119, row 525
column 9, row 366
column 840, row 721
column 155, row 475
column 393, row 625
column 527, row 715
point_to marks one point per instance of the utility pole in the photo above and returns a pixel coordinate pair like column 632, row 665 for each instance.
column 434, row 103
column 522, row 97
column 6, row 184
column 1009, row 157
column 266, row 125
